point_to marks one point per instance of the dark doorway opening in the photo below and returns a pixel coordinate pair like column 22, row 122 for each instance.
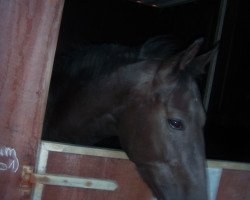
column 130, row 23
column 228, row 123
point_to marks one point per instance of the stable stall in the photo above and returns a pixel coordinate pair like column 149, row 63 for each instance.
column 34, row 169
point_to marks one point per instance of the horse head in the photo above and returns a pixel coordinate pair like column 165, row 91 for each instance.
column 150, row 100
column 162, row 128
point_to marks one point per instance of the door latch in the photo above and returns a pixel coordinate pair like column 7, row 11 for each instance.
column 29, row 178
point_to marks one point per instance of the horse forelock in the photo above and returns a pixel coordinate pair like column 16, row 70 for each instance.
column 185, row 91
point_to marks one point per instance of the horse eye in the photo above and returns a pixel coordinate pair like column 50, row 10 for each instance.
column 176, row 124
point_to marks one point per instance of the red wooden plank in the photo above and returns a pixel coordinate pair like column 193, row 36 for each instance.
column 130, row 185
column 28, row 36
column 234, row 185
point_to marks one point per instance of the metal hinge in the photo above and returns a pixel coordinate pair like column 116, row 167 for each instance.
column 29, row 178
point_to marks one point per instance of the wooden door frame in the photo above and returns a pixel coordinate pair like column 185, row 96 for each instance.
column 28, row 38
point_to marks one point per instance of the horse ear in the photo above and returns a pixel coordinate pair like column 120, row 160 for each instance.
column 198, row 64
column 189, row 54
column 187, row 60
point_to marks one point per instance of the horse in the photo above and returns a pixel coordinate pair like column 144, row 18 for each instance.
column 147, row 96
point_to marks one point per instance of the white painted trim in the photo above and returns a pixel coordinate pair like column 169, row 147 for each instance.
column 212, row 66
column 73, row 181
column 41, row 165
column 83, row 150
column 228, row 165
column 119, row 154
column 213, row 182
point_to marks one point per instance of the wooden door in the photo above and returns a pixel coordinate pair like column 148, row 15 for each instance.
column 100, row 174
column 28, row 37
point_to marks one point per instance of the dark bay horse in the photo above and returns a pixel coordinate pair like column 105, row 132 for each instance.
column 147, row 97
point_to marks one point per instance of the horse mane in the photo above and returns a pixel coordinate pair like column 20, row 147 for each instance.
column 77, row 66
column 90, row 61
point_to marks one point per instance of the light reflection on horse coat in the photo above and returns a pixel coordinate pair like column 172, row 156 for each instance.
column 148, row 98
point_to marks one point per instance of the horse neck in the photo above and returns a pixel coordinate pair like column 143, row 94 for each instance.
column 94, row 109
column 114, row 91
column 111, row 94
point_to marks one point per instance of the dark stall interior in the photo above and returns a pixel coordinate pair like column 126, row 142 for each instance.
column 228, row 124
column 131, row 23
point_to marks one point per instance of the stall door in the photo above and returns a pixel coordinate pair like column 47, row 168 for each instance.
column 28, row 38
column 85, row 173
